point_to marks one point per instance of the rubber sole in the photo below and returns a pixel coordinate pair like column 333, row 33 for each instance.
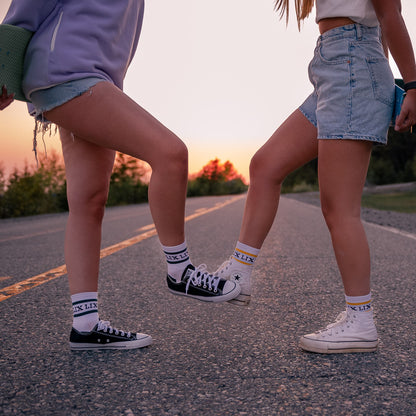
column 213, row 299
column 124, row 345
column 241, row 300
column 324, row 347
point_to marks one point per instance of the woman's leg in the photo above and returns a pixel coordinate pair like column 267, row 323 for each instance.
column 342, row 166
column 342, row 170
column 106, row 117
column 88, row 170
column 290, row 147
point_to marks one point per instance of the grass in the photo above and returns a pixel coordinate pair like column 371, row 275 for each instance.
column 397, row 201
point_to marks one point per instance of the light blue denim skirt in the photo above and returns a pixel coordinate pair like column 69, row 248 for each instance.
column 353, row 95
column 49, row 98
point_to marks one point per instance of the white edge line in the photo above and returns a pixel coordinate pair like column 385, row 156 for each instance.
column 382, row 227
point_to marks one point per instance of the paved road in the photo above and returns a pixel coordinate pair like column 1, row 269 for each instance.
column 206, row 359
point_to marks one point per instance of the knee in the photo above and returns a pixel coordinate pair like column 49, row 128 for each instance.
column 89, row 200
column 328, row 214
column 337, row 216
column 329, row 211
column 264, row 169
column 179, row 154
column 173, row 160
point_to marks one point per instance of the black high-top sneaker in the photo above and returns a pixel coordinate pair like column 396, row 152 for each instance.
column 105, row 337
column 199, row 284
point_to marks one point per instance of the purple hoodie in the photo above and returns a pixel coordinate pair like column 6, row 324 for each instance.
column 74, row 39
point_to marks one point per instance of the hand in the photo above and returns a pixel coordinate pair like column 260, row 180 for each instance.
column 5, row 99
column 407, row 117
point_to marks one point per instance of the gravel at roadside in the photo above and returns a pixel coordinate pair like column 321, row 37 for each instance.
column 399, row 220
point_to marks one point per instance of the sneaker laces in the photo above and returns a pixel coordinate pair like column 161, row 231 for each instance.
column 224, row 267
column 201, row 277
column 340, row 318
column 339, row 324
column 105, row 326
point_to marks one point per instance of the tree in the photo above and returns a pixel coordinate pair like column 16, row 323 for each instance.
column 216, row 179
column 393, row 163
column 35, row 191
column 127, row 181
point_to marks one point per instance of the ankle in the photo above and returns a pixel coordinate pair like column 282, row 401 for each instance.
column 359, row 304
column 177, row 259
column 244, row 256
column 85, row 311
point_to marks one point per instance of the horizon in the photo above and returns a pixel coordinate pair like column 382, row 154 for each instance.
column 223, row 88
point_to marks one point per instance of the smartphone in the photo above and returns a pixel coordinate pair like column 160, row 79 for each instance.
column 399, row 95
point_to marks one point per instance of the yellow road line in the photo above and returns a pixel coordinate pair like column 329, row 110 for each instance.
column 42, row 278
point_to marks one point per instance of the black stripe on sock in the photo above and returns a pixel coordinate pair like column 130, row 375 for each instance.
column 175, row 252
column 84, row 301
column 177, row 262
column 85, row 313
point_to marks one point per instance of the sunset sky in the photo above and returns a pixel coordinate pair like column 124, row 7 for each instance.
column 221, row 74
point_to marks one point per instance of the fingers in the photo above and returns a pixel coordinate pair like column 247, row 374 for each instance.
column 5, row 99
column 407, row 117
column 404, row 124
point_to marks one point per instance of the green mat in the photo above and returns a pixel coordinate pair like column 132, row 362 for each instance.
column 13, row 44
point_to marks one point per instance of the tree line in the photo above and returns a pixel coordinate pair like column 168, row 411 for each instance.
column 393, row 163
column 42, row 189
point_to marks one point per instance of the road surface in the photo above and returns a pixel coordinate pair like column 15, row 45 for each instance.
column 206, row 359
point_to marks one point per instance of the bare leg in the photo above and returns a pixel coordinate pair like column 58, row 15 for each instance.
column 342, row 171
column 88, row 169
column 291, row 146
column 105, row 116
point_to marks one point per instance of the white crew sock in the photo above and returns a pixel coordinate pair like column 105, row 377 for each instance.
column 85, row 309
column 360, row 304
column 177, row 258
column 244, row 256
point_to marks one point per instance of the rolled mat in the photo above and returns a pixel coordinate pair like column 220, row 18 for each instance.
column 13, row 45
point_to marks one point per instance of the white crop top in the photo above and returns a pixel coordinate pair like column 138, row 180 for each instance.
column 360, row 11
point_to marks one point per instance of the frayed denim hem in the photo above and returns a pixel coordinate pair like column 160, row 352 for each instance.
column 373, row 139
column 42, row 127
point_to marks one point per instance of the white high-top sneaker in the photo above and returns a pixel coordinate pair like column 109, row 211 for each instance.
column 232, row 272
column 351, row 332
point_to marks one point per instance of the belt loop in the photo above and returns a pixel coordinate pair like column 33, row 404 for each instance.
column 359, row 31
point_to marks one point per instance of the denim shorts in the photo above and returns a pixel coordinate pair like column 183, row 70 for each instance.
column 49, row 98
column 353, row 95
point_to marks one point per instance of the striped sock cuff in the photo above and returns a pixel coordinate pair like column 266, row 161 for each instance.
column 359, row 303
column 84, row 307
column 245, row 254
column 176, row 257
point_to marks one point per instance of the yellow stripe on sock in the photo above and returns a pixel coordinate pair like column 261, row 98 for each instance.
column 243, row 262
column 357, row 304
